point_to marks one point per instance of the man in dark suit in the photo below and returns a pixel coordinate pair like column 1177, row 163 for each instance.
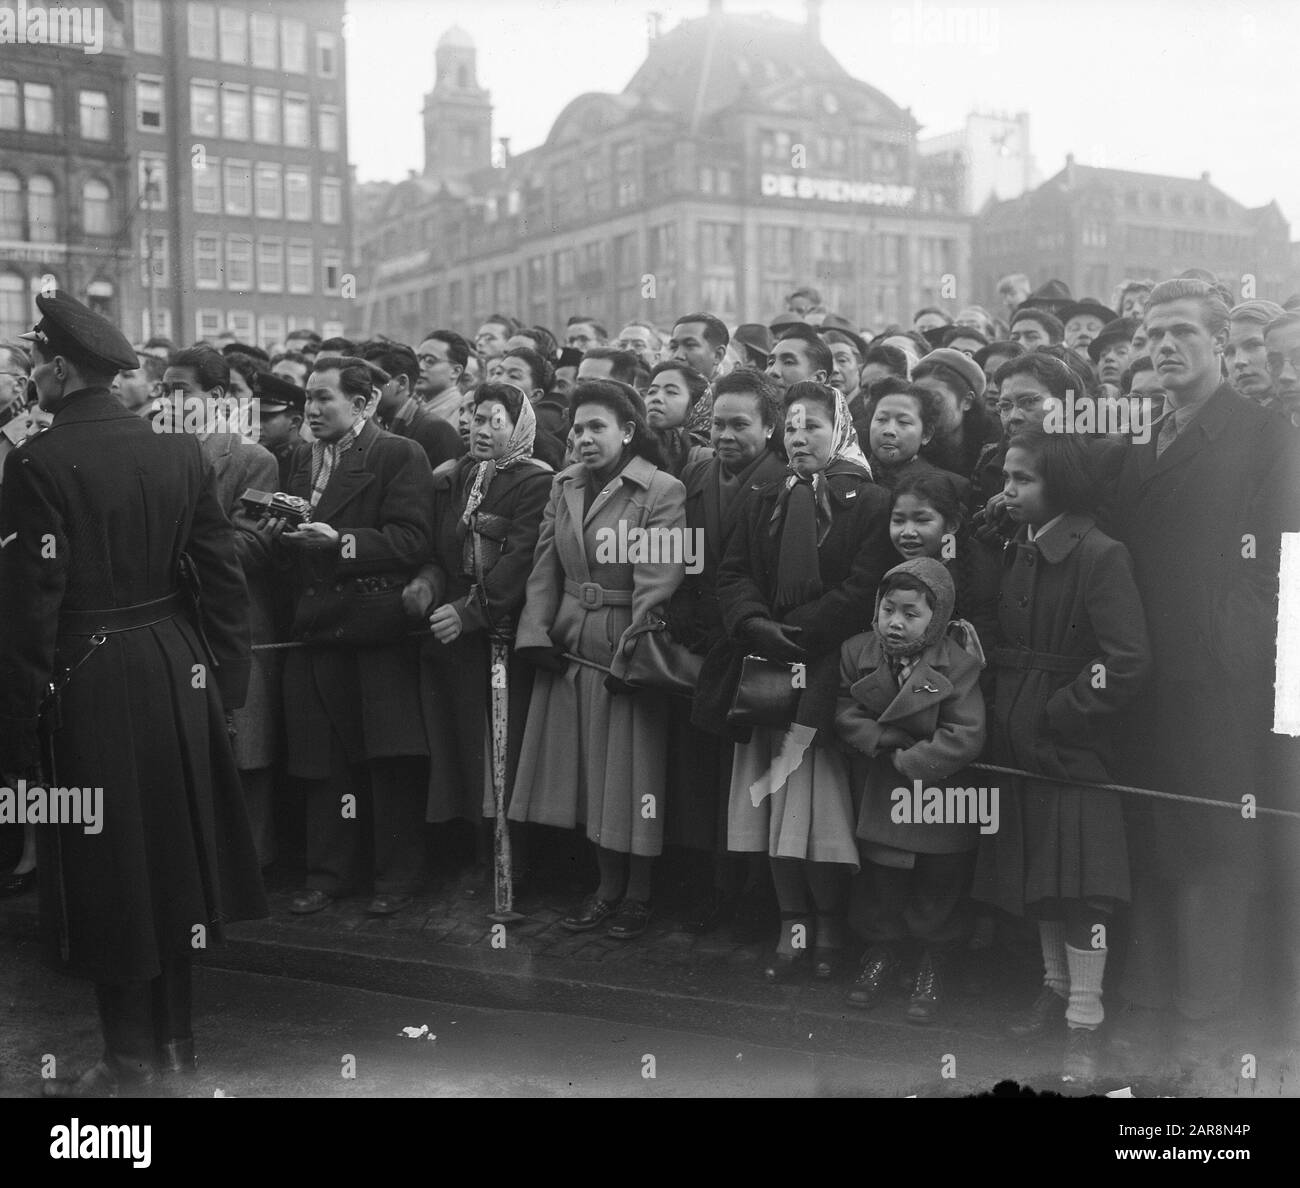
column 1201, row 506
column 102, row 514
column 399, row 409
column 352, row 700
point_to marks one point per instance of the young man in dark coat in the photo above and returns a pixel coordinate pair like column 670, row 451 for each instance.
column 1200, row 507
column 99, row 513
column 352, row 703
column 399, row 409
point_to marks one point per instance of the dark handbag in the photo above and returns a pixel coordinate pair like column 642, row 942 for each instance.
column 652, row 659
column 358, row 611
column 766, row 694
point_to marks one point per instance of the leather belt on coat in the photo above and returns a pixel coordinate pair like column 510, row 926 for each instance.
column 121, row 618
column 1043, row 661
column 592, row 596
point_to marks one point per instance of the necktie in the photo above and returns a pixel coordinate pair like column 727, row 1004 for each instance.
column 1168, row 431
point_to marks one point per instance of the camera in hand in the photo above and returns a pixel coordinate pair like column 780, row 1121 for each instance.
column 294, row 511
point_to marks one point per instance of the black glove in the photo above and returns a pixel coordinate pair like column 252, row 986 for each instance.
column 773, row 640
column 548, row 659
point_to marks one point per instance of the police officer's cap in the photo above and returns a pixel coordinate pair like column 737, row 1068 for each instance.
column 78, row 333
column 276, row 394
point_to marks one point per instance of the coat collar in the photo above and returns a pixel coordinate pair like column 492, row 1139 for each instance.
column 1059, row 541
column 350, row 476
column 90, row 404
column 1205, row 427
column 925, row 686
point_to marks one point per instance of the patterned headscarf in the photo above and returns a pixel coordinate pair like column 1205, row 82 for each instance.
column 519, row 450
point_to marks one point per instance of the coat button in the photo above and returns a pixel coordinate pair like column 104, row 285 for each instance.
column 1029, row 558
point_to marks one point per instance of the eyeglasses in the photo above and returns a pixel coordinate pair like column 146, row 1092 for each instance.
column 428, row 360
column 1276, row 360
column 1027, row 403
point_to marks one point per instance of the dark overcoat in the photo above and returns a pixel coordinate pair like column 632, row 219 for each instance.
column 381, row 495
column 454, row 678
column 1075, row 656
column 1203, row 524
column 699, row 763
column 102, row 508
column 435, row 435
column 853, row 557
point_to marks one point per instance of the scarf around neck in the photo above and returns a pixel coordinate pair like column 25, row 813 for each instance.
column 518, row 451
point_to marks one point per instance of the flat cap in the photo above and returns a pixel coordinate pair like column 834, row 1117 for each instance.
column 74, row 330
column 1089, row 307
column 277, row 394
column 1118, row 330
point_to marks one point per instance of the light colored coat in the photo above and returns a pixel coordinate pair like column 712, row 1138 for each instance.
column 591, row 757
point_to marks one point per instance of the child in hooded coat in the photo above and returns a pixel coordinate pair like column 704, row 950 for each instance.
column 910, row 711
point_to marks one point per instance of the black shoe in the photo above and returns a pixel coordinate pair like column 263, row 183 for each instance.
column 785, row 967
column 177, row 1056
column 591, row 913
column 878, row 965
column 1044, row 1015
column 1082, row 1055
column 630, row 920
column 826, row 963
column 309, row 901
column 929, row 988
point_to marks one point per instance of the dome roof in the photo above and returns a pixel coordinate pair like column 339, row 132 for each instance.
column 455, row 38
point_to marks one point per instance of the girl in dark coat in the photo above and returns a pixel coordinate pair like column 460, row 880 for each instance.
column 677, row 411
column 1075, row 655
column 487, row 514
column 902, row 418
column 796, row 583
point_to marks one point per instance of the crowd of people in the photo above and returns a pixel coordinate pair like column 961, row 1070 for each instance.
column 868, row 628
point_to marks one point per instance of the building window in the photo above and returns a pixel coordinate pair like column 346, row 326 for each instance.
column 300, row 266
column 327, row 55
column 297, row 123
column 774, row 146
column 147, row 25
column 270, row 265
column 268, row 192
column 297, row 195
column 9, row 107
column 718, row 245
column 776, row 249
column 207, row 324
column 331, row 273
column 42, row 213
column 240, row 322
column 331, row 200
column 239, row 188
column 239, row 263
column 149, row 104
column 38, row 107
column 154, row 258
column 96, row 208
column 202, row 31
column 207, row 261
column 151, row 180
column 265, row 42
column 234, row 35
column 203, row 108
column 93, row 111
column 207, row 188
column 328, row 140
column 234, row 112
column 270, row 331
column 11, row 206
column 293, row 47
column 266, row 116
column 15, row 317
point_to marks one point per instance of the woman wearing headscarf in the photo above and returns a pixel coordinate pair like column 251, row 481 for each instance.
column 589, row 757
column 797, row 581
column 487, row 514
column 678, row 412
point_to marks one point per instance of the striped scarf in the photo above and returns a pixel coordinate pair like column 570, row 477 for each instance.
column 324, row 458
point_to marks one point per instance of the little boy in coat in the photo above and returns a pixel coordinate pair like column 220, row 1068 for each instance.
column 911, row 712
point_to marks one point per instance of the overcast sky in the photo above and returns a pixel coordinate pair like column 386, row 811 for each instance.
column 1161, row 86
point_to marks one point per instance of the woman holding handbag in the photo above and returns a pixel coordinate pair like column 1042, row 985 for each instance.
column 798, row 579
column 589, row 758
column 487, row 514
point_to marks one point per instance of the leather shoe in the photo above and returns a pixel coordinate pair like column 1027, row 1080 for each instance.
column 784, row 967
column 630, row 921
column 387, row 904
column 177, row 1056
column 928, row 989
column 1045, row 1014
column 1082, row 1055
column 308, row 901
column 878, row 965
column 591, row 913
column 826, row 963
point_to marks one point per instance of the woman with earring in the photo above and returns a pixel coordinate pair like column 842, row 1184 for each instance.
column 589, row 758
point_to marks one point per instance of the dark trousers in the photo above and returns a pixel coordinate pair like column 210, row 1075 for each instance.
column 924, row 903
column 386, row 822
column 137, row 1018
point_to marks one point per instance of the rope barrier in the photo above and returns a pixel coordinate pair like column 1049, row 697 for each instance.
column 993, row 767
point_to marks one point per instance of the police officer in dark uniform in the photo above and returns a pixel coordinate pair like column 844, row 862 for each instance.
column 281, row 406
column 116, row 681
